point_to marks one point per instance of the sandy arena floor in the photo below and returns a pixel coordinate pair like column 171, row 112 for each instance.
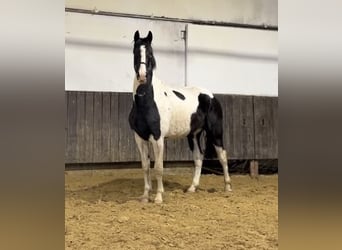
column 102, row 211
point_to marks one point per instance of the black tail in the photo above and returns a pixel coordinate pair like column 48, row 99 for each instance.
column 210, row 151
column 213, row 128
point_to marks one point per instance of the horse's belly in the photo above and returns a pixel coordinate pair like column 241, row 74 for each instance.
column 179, row 127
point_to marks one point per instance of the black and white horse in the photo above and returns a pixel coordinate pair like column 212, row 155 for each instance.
column 160, row 111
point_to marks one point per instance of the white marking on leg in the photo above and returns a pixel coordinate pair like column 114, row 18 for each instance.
column 222, row 156
column 198, row 160
column 158, row 148
column 145, row 163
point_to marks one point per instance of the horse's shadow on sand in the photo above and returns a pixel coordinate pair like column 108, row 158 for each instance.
column 120, row 190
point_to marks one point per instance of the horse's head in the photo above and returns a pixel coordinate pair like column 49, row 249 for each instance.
column 144, row 61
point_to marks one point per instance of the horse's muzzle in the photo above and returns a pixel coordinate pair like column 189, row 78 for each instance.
column 141, row 79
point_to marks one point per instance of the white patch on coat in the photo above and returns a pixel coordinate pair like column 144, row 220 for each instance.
column 142, row 68
column 175, row 114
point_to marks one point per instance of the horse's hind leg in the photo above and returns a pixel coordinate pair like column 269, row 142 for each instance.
column 222, row 156
column 215, row 138
column 198, row 160
column 145, row 163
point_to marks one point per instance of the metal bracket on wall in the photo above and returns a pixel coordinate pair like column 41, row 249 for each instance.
column 184, row 36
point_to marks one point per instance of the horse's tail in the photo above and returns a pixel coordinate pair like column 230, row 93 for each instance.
column 210, row 151
column 213, row 128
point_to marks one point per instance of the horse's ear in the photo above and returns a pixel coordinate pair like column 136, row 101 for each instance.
column 136, row 36
column 149, row 37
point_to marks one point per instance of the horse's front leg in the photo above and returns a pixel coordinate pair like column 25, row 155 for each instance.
column 145, row 163
column 158, row 148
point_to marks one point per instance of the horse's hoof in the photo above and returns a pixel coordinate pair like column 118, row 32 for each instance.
column 159, row 198
column 191, row 189
column 228, row 188
column 157, row 201
column 144, row 200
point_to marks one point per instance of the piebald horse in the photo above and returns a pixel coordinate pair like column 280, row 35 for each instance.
column 160, row 111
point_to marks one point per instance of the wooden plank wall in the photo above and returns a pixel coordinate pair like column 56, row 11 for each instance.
column 238, row 125
column 266, row 127
column 97, row 129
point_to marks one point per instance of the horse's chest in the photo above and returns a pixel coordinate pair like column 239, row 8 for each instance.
column 144, row 117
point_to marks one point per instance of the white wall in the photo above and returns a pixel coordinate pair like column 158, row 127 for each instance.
column 98, row 55
column 239, row 11
column 99, row 52
column 233, row 60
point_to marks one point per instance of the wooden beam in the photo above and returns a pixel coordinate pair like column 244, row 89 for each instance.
column 254, row 169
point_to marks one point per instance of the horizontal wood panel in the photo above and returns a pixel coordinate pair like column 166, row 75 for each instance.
column 97, row 129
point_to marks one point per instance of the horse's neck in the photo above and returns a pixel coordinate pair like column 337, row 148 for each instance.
column 135, row 85
column 155, row 82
